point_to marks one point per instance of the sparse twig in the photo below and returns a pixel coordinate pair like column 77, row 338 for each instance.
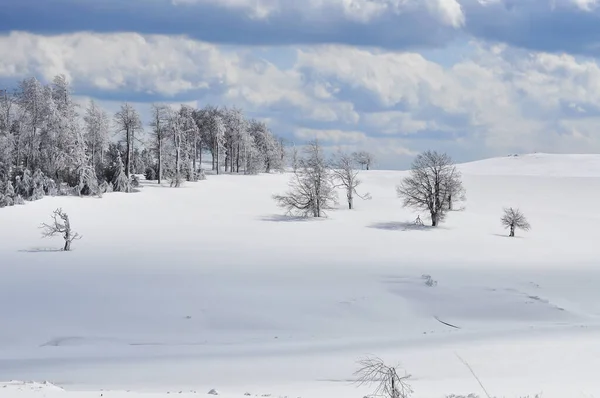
column 387, row 381
column 474, row 375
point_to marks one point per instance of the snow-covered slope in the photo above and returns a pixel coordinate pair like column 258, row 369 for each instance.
column 537, row 164
column 208, row 286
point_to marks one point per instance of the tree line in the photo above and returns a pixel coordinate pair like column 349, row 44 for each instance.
column 51, row 146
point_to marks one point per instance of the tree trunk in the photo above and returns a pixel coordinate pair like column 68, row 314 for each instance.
column 195, row 156
column 67, row 246
column 449, row 202
column 350, row 201
column 159, row 161
column 434, row 219
column 512, row 231
column 237, row 159
column 128, row 155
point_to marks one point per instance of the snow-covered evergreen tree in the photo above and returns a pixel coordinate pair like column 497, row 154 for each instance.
column 120, row 180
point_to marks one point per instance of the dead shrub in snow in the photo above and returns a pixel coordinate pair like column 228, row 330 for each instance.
column 60, row 226
column 373, row 371
column 429, row 281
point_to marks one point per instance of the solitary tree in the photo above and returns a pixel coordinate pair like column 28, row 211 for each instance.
column 60, row 226
column 364, row 158
column 432, row 181
column 387, row 382
column 346, row 176
column 311, row 189
column 513, row 219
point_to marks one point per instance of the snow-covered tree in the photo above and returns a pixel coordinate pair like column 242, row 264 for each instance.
column 364, row 158
column 433, row 178
column 97, row 127
column 159, row 124
column 346, row 177
column 513, row 219
column 268, row 145
column 312, row 191
column 128, row 122
column 120, row 180
column 60, row 225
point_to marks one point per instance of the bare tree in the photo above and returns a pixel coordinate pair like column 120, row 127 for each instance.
column 159, row 124
column 432, row 181
column 60, row 225
column 128, row 122
column 364, row 158
column 346, row 176
column 513, row 219
column 294, row 157
column 385, row 378
column 311, row 189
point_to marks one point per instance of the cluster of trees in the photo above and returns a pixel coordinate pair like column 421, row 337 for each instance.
column 313, row 187
column 50, row 146
column 433, row 185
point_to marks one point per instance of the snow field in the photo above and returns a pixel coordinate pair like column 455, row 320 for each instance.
column 209, row 286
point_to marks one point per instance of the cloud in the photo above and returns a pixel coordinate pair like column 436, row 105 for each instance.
column 385, row 23
column 571, row 26
column 495, row 100
column 331, row 136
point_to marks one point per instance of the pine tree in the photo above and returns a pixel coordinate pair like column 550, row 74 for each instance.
column 120, row 182
column 38, row 185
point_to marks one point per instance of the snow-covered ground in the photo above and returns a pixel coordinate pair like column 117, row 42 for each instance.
column 209, row 286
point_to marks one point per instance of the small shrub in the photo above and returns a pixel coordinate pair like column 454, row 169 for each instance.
column 429, row 281
column 150, row 174
column 50, row 187
column 135, row 181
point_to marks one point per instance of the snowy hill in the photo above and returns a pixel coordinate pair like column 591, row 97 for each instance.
column 209, row 286
column 537, row 164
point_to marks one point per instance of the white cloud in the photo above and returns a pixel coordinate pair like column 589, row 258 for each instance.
column 586, row 5
column 331, row 136
column 496, row 100
column 447, row 12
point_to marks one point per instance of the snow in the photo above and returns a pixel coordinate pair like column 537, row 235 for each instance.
column 209, row 287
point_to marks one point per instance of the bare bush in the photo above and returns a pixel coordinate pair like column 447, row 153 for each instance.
column 513, row 219
column 60, row 226
column 387, row 382
column 311, row 188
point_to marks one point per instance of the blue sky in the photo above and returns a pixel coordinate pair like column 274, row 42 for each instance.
column 475, row 78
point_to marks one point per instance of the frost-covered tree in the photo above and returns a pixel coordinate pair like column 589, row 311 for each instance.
column 433, row 178
column 159, row 124
column 294, row 155
column 513, row 219
column 388, row 383
column 236, row 128
column 60, row 226
column 267, row 145
column 128, row 123
column 120, row 180
column 364, row 158
column 38, row 185
column 97, row 128
column 312, row 191
column 346, row 176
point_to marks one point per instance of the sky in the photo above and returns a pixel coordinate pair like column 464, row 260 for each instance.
column 473, row 78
